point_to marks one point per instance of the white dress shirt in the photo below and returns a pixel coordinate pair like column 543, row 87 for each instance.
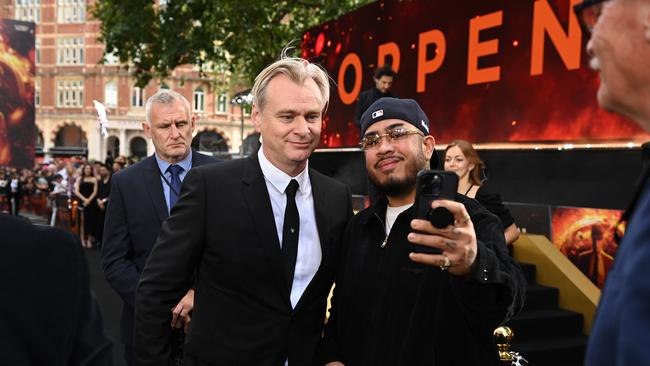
column 309, row 251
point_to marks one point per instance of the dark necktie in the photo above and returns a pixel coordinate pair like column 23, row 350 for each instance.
column 175, row 184
column 290, row 230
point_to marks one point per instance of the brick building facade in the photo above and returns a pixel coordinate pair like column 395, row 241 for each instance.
column 69, row 78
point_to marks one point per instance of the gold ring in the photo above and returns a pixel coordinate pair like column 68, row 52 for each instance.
column 465, row 220
column 447, row 263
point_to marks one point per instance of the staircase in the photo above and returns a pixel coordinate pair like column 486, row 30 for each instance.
column 545, row 334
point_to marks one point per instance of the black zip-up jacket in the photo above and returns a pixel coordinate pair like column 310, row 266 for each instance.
column 389, row 310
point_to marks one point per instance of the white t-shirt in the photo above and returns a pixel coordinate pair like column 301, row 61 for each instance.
column 392, row 213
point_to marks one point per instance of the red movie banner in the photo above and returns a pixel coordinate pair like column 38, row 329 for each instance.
column 484, row 71
column 586, row 237
column 17, row 69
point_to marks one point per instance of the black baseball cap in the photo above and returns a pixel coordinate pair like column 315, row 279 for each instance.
column 407, row 110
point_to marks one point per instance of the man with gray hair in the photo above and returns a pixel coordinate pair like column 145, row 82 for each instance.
column 260, row 237
column 619, row 50
column 142, row 196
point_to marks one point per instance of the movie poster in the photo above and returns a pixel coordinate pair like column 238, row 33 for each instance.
column 586, row 237
column 17, row 70
column 484, row 71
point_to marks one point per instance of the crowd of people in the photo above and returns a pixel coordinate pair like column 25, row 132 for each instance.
column 60, row 182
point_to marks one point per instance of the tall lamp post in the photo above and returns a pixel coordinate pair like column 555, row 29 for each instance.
column 242, row 99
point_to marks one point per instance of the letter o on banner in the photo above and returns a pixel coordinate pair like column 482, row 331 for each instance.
column 353, row 60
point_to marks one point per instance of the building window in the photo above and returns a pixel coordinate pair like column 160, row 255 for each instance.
column 28, row 10
column 137, row 97
column 110, row 94
column 199, row 100
column 222, row 104
column 71, row 11
column 37, row 92
column 70, row 93
column 70, row 51
column 37, row 50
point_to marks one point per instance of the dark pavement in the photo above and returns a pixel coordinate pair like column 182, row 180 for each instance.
column 110, row 303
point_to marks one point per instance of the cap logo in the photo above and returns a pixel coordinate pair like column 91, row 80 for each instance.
column 377, row 113
column 424, row 125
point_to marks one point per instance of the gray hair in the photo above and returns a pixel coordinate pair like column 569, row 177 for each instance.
column 297, row 70
column 165, row 96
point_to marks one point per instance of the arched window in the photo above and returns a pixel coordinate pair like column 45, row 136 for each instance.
column 70, row 136
column 110, row 94
column 112, row 146
column 209, row 141
column 138, row 147
column 252, row 143
column 37, row 92
column 38, row 139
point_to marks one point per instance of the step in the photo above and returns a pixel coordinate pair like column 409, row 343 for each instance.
column 529, row 271
column 565, row 351
column 546, row 324
column 539, row 297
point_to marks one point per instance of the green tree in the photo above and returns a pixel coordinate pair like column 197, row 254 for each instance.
column 232, row 37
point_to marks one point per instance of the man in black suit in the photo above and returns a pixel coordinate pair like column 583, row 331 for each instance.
column 262, row 235
column 383, row 78
column 53, row 318
column 140, row 200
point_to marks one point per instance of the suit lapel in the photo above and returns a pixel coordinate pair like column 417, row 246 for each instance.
column 151, row 177
column 257, row 199
column 322, row 222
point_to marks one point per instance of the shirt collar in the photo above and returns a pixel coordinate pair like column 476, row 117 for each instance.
column 279, row 179
column 186, row 163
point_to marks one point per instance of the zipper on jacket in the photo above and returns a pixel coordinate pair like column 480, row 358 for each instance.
column 383, row 225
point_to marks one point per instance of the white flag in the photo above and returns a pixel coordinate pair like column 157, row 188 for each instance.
column 101, row 118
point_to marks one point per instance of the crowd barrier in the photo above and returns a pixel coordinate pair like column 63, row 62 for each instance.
column 60, row 211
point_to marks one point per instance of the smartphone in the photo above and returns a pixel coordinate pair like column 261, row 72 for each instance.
column 434, row 185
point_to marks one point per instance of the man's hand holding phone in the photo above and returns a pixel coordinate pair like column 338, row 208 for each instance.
column 457, row 242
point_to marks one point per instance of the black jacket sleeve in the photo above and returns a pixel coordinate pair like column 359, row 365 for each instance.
column 169, row 272
column 117, row 250
column 495, row 289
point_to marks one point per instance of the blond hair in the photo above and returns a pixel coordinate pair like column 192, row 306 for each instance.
column 297, row 70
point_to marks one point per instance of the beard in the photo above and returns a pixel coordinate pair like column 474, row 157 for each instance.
column 393, row 186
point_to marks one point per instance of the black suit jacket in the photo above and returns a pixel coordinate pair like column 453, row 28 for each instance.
column 366, row 98
column 48, row 315
column 223, row 227
column 136, row 210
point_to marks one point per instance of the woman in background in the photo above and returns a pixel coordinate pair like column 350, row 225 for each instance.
column 462, row 159
column 86, row 190
column 103, row 191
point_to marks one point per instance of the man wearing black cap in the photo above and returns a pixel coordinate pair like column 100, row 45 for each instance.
column 395, row 307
